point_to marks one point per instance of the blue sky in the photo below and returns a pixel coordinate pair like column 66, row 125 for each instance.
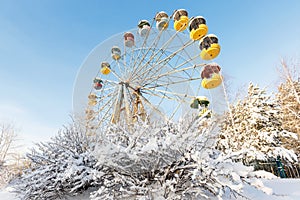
column 44, row 42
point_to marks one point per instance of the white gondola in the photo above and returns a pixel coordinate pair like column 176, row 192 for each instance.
column 129, row 39
column 162, row 20
column 144, row 28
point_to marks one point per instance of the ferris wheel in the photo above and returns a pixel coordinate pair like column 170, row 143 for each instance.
column 151, row 73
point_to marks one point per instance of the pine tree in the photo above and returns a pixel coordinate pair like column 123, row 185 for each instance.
column 253, row 131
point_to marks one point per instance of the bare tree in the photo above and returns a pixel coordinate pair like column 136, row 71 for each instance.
column 7, row 137
column 288, row 97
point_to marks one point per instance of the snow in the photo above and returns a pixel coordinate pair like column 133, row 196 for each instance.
column 6, row 194
column 283, row 189
column 287, row 189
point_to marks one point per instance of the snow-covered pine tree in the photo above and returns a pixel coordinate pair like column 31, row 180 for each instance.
column 61, row 167
column 252, row 130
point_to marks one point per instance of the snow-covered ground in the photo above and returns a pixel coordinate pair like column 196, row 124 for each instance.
column 283, row 189
column 5, row 194
column 287, row 189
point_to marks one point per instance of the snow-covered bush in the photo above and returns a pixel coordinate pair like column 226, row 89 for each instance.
column 252, row 130
column 142, row 161
column 63, row 166
column 166, row 161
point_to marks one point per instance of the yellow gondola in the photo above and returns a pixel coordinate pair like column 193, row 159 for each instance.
column 115, row 53
column 105, row 68
column 90, row 114
column 162, row 20
column 205, row 111
column 198, row 28
column 181, row 19
column 209, row 47
column 92, row 99
column 210, row 76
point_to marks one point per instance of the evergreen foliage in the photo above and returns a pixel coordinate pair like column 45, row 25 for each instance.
column 253, row 130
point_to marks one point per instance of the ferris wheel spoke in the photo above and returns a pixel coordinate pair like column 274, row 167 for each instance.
column 186, row 53
column 153, row 107
column 180, row 95
column 122, row 71
column 124, row 62
column 172, row 71
column 150, row 48
column 161, row 50
column 164, row 61
column 178, row 98
column 174, row 53
column 110, row 82
column 173, row 99
column 104, row 97
column 176, row 109
column 145, row 40
column 140, row 60
column 107, row 89
column 186, row 73
column 128, row 115
column 97, row 114
column 161, row 96
column 131, row 57
column 117, row 108
column 176, row 82
column 182, row 47
column 116, row 75
column 104, row 105
column 106, row 115
column 153, row 46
